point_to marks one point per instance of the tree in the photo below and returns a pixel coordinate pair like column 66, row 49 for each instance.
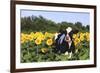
column 88, row 27
column 34, row 23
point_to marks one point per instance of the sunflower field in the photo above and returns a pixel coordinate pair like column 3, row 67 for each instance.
column 38, row 46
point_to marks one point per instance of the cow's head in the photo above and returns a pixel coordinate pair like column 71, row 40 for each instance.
column 70, row 33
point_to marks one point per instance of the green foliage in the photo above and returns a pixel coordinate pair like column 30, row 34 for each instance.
column 28, row 54
column 33, row 23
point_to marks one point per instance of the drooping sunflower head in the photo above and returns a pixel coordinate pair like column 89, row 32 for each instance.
column 44, row 50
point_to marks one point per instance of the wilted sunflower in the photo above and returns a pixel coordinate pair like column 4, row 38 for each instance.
column 44, row 50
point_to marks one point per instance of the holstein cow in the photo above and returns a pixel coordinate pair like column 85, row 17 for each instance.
column 64, row 42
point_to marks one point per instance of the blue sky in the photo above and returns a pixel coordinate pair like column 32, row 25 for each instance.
column 59, row 16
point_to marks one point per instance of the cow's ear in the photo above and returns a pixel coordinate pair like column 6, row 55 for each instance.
column 75, row 31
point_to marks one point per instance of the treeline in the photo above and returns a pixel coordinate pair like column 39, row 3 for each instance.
column 34, row 23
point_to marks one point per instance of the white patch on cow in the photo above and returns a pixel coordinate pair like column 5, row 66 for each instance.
column 66, row 53
column 69, row 29
column 70, row 55
column 69, row 43
column 56, row 35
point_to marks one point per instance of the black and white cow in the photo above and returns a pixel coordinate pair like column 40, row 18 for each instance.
column 64, row 42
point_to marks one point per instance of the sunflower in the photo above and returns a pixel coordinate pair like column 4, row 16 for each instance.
column 49, row 42
column 42, row 37
column 74, row 36
column 87, row 36
column 30, row 37
column 38, row 41
column 76, row 41
column 22, row 41
column 82, row 38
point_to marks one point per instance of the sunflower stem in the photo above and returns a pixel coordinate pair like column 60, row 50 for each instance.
column 37, row 51
column 50, row 50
